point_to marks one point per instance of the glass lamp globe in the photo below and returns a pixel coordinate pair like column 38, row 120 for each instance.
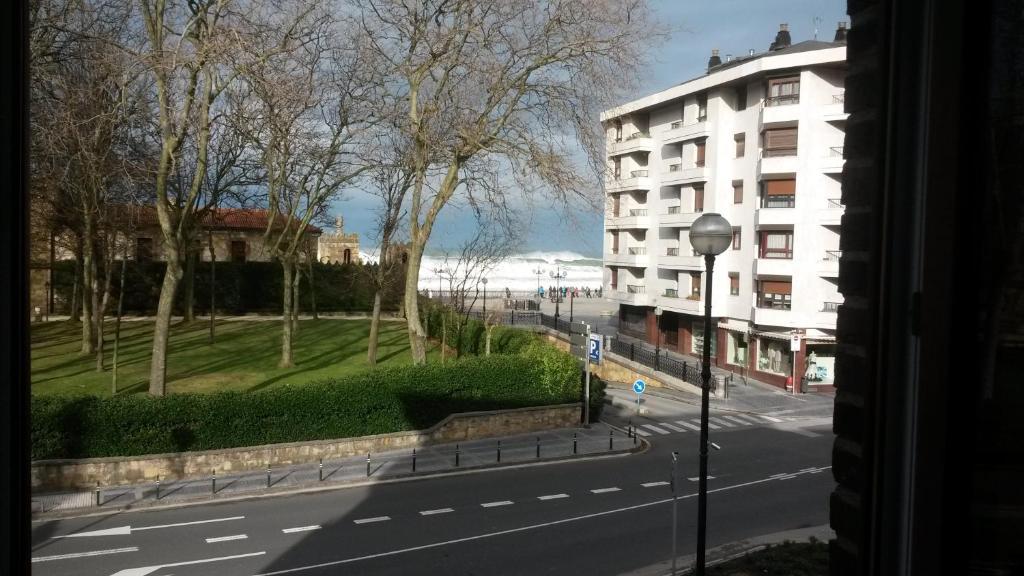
column 710, row 234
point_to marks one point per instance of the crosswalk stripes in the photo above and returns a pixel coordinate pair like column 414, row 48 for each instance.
column 717, row 422
column 641, row 432
column 654, row 428
column 722, row 422
column 770, row 418
column 688, row 425
column 710, row 425
column 749, row 419
column 671, row 427
column 737, row 420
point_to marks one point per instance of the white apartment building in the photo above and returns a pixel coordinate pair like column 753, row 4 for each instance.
column 759, row 140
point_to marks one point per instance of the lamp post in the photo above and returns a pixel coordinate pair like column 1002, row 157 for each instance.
column 558, row 274
column 484, row 280
column 539, row 272
column 710, row 235
column 438, row 271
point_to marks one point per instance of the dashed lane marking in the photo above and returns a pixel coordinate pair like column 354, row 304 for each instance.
column 552, row 496
column 495, row 504
column 653, row 484
column 300, row 529
column 371, row 520
column 226, row 538
column 437, row 511
column 605, row 490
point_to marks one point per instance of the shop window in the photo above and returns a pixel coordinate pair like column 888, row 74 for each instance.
column 737, row 343
column 774, row 357
column 697, row 342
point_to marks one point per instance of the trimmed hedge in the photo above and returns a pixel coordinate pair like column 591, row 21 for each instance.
column 374, row 402
column 473, row 338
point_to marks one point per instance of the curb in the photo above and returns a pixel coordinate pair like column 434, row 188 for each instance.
column 642, row 447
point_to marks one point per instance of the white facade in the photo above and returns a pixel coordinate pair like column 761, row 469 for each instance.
column 655, row 180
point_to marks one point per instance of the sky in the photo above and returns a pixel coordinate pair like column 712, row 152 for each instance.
column 732, row 26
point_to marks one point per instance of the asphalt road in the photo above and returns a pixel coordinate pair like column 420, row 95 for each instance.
column 604, row 516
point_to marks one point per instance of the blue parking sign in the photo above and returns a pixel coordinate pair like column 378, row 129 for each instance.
column 595, row 348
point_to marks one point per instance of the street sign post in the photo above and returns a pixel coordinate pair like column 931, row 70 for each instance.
column 639, row 386
column 579, row 346
column 595, row 348
column 794, row 347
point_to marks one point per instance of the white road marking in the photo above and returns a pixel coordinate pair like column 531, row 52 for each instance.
column 671, row 427
column 654, row 428
column 499, row 503
column 651, row 484
column 437, row 511
column 739, row 421
column 84, row 554
column 374, row 519
column 641, row 432
column 226, row 538
column 300, row 529
column 749, row 418
column 697, row 478
column 144, row 570
column 710, row 425
column 126, row 530
column 771, row 418
column 552, row 496
column 604, row 490
column 721, row 422
column 494, row 534
column 688, row 425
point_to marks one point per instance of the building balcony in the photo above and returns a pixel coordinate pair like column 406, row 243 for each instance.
column 833, row 111
column 833, row 161
column 677, row 174
column 771, row 165
column 832, row 214
column 678, row 132
column 636, row 142
column 635, row 218
column 828, row 266
column 634, row 256
column 673, row 261
column 685, row 304
column 775, row 217
column 773, row 267
column 676, row 218
column 632, row 294
column 773, row 317
column 780, row 111
column 635, row 180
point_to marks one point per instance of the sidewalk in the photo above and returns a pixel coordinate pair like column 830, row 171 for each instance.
column 553, row 445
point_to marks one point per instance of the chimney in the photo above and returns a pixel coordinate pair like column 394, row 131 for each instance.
column 728, row 57
column 841, row 33
column 782, row 39
column 715, row 60
column 751, row 53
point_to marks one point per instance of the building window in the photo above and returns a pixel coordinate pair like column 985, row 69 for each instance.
column 736, row 238
column 143, row 249
column 741, row 98
column 702, row 107
column 775, row 294
column 618, row 130
column 780, row 142
column 695, row 285
column 737, row 192
column 614, row 283
column 737, row 343
column 734, row 283
column 777, row 244
column 698, row 198
column 618, row 168
column 347, row 256
column 741, row 144
column 699, row 163
column 778, row 194
column 783, row 91
column 238, row 250
column 773, row 356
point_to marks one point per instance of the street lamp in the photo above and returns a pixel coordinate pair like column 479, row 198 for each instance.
column 539, row 272
column 484, row 280
column 558, row 274
column 438, row 271
column 710, row 235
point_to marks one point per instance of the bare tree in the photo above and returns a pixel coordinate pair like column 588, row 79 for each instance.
column 508, row 83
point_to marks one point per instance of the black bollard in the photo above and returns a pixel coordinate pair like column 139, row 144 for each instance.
column 157, row 487
column 634, row 436
column 98, row 494
column 268, row 475
column 611, row 439
column 367, row 464
column 499, row 450
column 413, row 459
column 213, row 481
column 456, row 455
column 573, row 442
column 538, row 446
column 629, row 428
column 321, row 469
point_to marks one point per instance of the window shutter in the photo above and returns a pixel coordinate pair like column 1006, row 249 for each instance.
column 780, row 138
column 776, row 287
column 780, row 187
column 737, row 193
column 700, row 153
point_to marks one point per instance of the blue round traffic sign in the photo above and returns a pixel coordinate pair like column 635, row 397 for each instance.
column 639, row 386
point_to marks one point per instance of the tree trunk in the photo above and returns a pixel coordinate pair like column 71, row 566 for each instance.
column 75, row 303
column 417, row 337
column 213, row 285
column 487, row 344
column 286, row 317
column 117, row 324
column 162, row 327
column 312, row 290
column 371, row 353
column 190, row 281
column 444, row 334
column 101, row 310
column 295, row 300
column 88, row 279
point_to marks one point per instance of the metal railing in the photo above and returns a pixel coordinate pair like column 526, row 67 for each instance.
column 676, row 125
column 636, row 289
column 781, row 100
column 636, row 135
column 833, row 255
column 675, row 167
column 702, row 116
column 674, row 209
column 638, row 173
column 672, row 252
column 671, row 293
column 830, row 306
column 835, row 203
column 835, row 151
column 839, row 98
column 777, row 201
column 638, row 212
column 637, row 250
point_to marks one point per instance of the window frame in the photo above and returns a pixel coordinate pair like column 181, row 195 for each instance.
column 234, row 254
column 741, row 144
column 766, row 253
column 734, row 283
column 737, row 238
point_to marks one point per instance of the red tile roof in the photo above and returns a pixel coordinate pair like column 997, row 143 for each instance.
column 220, row 219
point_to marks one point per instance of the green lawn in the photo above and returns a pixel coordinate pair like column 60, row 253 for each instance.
column 244, row 356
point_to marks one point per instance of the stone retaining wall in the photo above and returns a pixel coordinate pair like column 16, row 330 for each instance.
column 59, row 475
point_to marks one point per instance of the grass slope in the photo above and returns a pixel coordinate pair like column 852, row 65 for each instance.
column 244, row 356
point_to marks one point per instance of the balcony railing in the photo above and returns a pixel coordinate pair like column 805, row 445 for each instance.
column 675, row 167
column 637, row 250
column 674, row 209
column 830, row 306
column 833, row 255
column 676, row 125
column 776, row 253
column 782, row 100
column 672, row 252
column 839, row 98
column 635, row 289
column 835, row 151
column 767, row 302
column 638, row 212
column 671, row 293
column 636, row 135
column 638, row 174
column 835, row 203
column 777, row 201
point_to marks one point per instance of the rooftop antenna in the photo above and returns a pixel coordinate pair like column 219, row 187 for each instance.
column 817, row 20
